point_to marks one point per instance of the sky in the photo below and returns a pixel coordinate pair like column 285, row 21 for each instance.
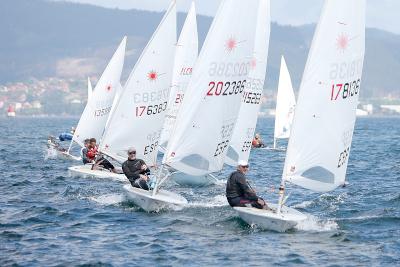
column 382, row 14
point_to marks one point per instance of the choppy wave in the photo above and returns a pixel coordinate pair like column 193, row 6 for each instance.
column 108, row 199
column 50, row 217
column 217, row 201
column 50, row 153
column 315, row 224
column 304, row 204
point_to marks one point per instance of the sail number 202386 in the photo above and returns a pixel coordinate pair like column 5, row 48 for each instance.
column 225, row 88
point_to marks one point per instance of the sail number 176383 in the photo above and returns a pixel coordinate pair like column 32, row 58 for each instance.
column 151, row 109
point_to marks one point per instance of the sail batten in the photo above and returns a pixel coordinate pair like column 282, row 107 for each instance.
column 323, row 125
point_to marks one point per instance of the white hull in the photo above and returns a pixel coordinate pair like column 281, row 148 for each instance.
column 269, row 220
column 161, row 201
column 87, row 172
column 196, row 181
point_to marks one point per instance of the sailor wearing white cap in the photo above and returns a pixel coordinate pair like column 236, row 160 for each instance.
column 238, row 191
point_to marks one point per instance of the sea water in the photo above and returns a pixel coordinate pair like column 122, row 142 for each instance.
column 48, row 218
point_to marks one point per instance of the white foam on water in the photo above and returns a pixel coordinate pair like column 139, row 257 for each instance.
column 314, row 224
column 303, row 204
column 109, row 199
column 217, row 201
column 50, row 153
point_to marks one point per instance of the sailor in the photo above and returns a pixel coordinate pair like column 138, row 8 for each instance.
column 94, row 156
column 84, row 152
column 136, row 170
column 238, row 191
column 52, row 143
column 257, row 142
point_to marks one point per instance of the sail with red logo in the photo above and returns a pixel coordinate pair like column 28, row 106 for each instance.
column 324, row 119
column 95, row 115
column 240, row 145
column 186, row 53
column 138, row 114
column 210, row 109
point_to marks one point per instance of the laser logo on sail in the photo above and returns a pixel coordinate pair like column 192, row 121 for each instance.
column 342, row 42
column 152, row 75
column 231, row 44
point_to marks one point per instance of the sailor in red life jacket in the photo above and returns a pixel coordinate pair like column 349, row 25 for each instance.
column 257, row 142
column 92, row 153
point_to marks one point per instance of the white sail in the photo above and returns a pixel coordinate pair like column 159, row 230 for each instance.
column 138, row 114
column 89, row 88
column 185, row 57
column 285, row 104
column 96, row 112
column 209, row 111
column 319, row 145
column 242, row 137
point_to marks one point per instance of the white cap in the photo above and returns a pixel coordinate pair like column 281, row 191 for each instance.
column 242, row 163
column 131, row 149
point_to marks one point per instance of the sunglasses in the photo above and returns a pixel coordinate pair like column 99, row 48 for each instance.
column 246, row 167
column 132, row 153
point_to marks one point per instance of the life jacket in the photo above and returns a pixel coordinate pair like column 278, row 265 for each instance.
column 91, row 154
column 255, row 143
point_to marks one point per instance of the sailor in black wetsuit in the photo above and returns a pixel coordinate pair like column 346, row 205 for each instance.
column 238, row 191
column 136, row 170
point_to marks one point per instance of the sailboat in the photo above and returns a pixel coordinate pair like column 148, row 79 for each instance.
column 208, row 114
column 138, row 113
column 285, row 104
column 97, row 110
column 138, row 110
column 185, row 57
column 323, row 125
column 240, row 145
column 61, row 152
